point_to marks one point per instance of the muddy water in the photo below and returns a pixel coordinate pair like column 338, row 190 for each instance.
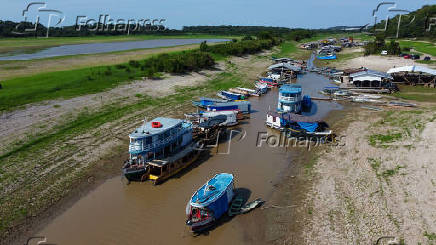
column 139, row 213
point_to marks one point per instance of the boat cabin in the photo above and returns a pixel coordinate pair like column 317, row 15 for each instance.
column 159, row 138
column 290, row 98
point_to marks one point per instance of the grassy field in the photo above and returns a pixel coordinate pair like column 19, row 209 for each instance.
column 423, row 47
column 416, row 93
column 20, row 91
column 33, row 44
column 286, row 49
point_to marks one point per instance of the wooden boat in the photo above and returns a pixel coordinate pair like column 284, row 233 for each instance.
column 162, row 169
column 297, row 125
column 262, row 88
column 243, row 106
column 269, row 82
column 251, row 92
column 210, row 202
column 230, row 95
column 164, row 143
column 290, row 98
column 239, row 91
column 203, row 102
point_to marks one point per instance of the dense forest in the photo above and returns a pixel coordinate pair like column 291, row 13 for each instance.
column 7, row 29
column 236, row 30
column 412, row 28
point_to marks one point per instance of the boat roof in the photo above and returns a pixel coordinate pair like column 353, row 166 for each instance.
column 291, row 88
column 413, row 69
column 285, row 66
column 232, row 103
column 212, row 190
column 147, row 129
column 213, row 121
column 371, row 73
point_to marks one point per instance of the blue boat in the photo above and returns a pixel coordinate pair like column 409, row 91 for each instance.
column 210, row 202
column 204, row 102
column 327, row 57
column 230, row 95
column 290, row 98
column 242, row 106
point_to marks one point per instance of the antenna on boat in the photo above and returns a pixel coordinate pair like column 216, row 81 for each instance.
column 145, row 121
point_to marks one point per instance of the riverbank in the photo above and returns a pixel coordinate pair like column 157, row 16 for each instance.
column 379, row 183
column 67, row 153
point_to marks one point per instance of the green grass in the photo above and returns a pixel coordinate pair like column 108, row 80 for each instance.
column 428, row 62
column 430, row 236
column 286, row 49
column 416, row 93
column 423, row 47
column 381, row 139
column 62, row 84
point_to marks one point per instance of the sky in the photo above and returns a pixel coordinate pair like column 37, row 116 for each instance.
column 179, row 13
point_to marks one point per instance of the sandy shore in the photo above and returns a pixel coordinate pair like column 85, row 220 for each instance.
column 380, row 183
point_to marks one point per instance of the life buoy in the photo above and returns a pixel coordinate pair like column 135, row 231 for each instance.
column 156, row 125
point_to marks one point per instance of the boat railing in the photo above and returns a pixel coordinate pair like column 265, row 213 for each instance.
column 136, row 147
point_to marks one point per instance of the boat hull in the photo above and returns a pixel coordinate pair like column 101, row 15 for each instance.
column 134, row 174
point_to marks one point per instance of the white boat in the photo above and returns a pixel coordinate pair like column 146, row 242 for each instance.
column 252, row 92
column 231, row 117
column 261, row 87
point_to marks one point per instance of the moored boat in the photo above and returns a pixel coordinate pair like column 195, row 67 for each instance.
column 239, row 91
column 210, row 202
column 203, row 102
column 262, row 88
column 243, row 106
column 297, row 125
column 159, row 149
column 230, row 96
column 269, row 82
column 290, row 98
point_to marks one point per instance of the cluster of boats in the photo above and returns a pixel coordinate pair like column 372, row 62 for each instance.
column 163, row 147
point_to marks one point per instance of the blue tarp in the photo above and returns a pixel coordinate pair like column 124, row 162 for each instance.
column 308, row 126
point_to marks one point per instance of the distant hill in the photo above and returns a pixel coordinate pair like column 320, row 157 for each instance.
column 417, row 28
column 235, row 30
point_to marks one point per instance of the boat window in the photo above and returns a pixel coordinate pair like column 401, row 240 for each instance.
column 164, row 168
column 148, row 140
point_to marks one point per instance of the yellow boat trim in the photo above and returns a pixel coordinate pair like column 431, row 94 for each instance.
column 153, row 177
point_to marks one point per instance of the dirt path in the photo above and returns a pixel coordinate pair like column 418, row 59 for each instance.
column 362, row 192
column 379, row 63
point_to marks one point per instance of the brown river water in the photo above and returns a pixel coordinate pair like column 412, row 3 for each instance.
column 140, row 213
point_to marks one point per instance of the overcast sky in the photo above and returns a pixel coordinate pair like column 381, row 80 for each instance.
column 286, row 13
